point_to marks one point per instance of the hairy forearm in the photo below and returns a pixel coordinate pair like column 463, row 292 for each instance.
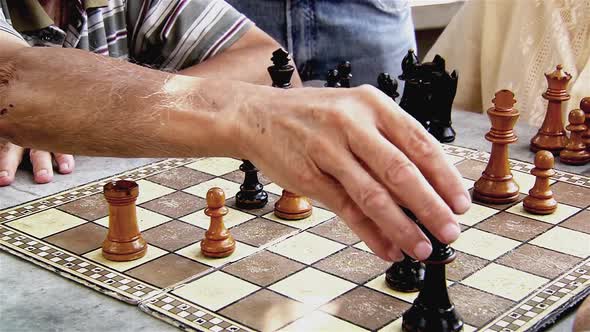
column 76, row 102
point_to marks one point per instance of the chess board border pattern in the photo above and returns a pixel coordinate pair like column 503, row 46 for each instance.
column 556, row 296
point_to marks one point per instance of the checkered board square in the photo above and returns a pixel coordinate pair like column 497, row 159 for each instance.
column 514, row 271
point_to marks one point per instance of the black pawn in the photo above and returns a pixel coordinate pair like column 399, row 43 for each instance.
column 251, row 194
column 345, row 74
column 332, row 80
column 281, row 71
column 433, row 310
column 387, row 85
column 405, row 276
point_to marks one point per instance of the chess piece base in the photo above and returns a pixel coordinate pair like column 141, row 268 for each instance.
column 406, row 276
column 218, row 249
column 539, row 206
column 574, row 158
column 551, row 143
column 293, row 207
column 421, row 319
column 292, row 216
column 443, row 133
column 495, row 192
column 248, row 202
column 124, row 251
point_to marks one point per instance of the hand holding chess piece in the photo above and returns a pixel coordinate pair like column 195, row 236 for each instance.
column 124, row 241
column 218, row 242
column 540, row 199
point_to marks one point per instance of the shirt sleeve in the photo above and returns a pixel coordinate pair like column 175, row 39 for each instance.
column 5, row 24
column 172, row 35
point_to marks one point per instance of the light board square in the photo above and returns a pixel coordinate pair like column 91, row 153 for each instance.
column 231, row 219
column 216, row 166
column 453, row 159
column 216, row 290
column 194, row 252
column 318, row 321
column 526, row 181
column 274, row 188
column 562, row 212
column 483, row 244
column 229, row 188
column 565, row 240
column 504, row 281
column 467, row 184
column 152, row 253
column 149, row 190
column 363, row 246
column 379, row 284
column 46, row 223
column 145, row 219
column 312, row 287
column 318, row 216
column 476, row 214
column 306, row 247
column 396, row 326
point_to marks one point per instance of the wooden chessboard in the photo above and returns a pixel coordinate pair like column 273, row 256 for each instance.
column 514, row 271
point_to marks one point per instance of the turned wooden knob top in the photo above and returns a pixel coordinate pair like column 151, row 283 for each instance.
column 215, row 198
column 544, row 160
column 121, row 189
column 576, row 117
column 585, row 104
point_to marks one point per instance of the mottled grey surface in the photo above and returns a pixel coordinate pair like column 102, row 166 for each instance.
column 34, row 299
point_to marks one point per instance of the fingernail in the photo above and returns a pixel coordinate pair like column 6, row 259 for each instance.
column 462, row 203
column 422, row 250
column 3, row 174
column 450, row 232
column 64, row 167
column 396, row 255
column 42, row 172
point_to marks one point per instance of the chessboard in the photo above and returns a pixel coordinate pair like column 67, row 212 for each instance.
column 514, row 272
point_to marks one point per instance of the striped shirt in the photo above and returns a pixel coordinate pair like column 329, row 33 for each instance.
column 164, row 34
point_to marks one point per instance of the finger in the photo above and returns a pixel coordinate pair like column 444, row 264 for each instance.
column 65, row 162
column 10, row 157
column 424, row 151
column 405, row 182
column 376, row 203
column 42, row 167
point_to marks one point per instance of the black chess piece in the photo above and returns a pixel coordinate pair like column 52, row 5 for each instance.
column 433, row 310
column 444, row 88
column 332, row 80
column 251, row 194
column 344, row 74
column 281, row 71
column 405, row 276
column 416, row 97
column 388, row 85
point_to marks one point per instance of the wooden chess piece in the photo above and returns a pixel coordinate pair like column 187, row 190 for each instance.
column 218, row 242
column 496, row 184
column 124, row 241
column 575, row 151
column 292, row 206
column 585, row 106
column 433, row 310
column 251, row 194
column 540, row 199
column 551, row 136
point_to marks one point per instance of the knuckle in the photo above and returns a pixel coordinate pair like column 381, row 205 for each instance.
column 422, row 145
column 374, row 198
column 400, row 171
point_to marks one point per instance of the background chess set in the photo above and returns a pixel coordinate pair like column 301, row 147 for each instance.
column 515, row 271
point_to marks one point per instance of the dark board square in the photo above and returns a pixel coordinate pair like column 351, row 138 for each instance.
column 238, row 177
column 81, row 239
column 540, row 261
column 259, row 231
column 167, row 270
column 180, row 178
column 471, row 169
column 263, row 268
column 89, row 208
column 337, row 230
column 367, row 308
column 265, row 310
column 176, row 205
column 570, row 194
column 513, row 226
column 353, row 264
column 173, row 235
column 477, row 307
column 464, row 265
column 269, row 207
column 579, row 222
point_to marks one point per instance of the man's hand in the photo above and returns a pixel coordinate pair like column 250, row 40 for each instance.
column 11, row 156
column 359, row 153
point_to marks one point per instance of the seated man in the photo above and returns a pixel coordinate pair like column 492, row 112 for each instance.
column 343, row 147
